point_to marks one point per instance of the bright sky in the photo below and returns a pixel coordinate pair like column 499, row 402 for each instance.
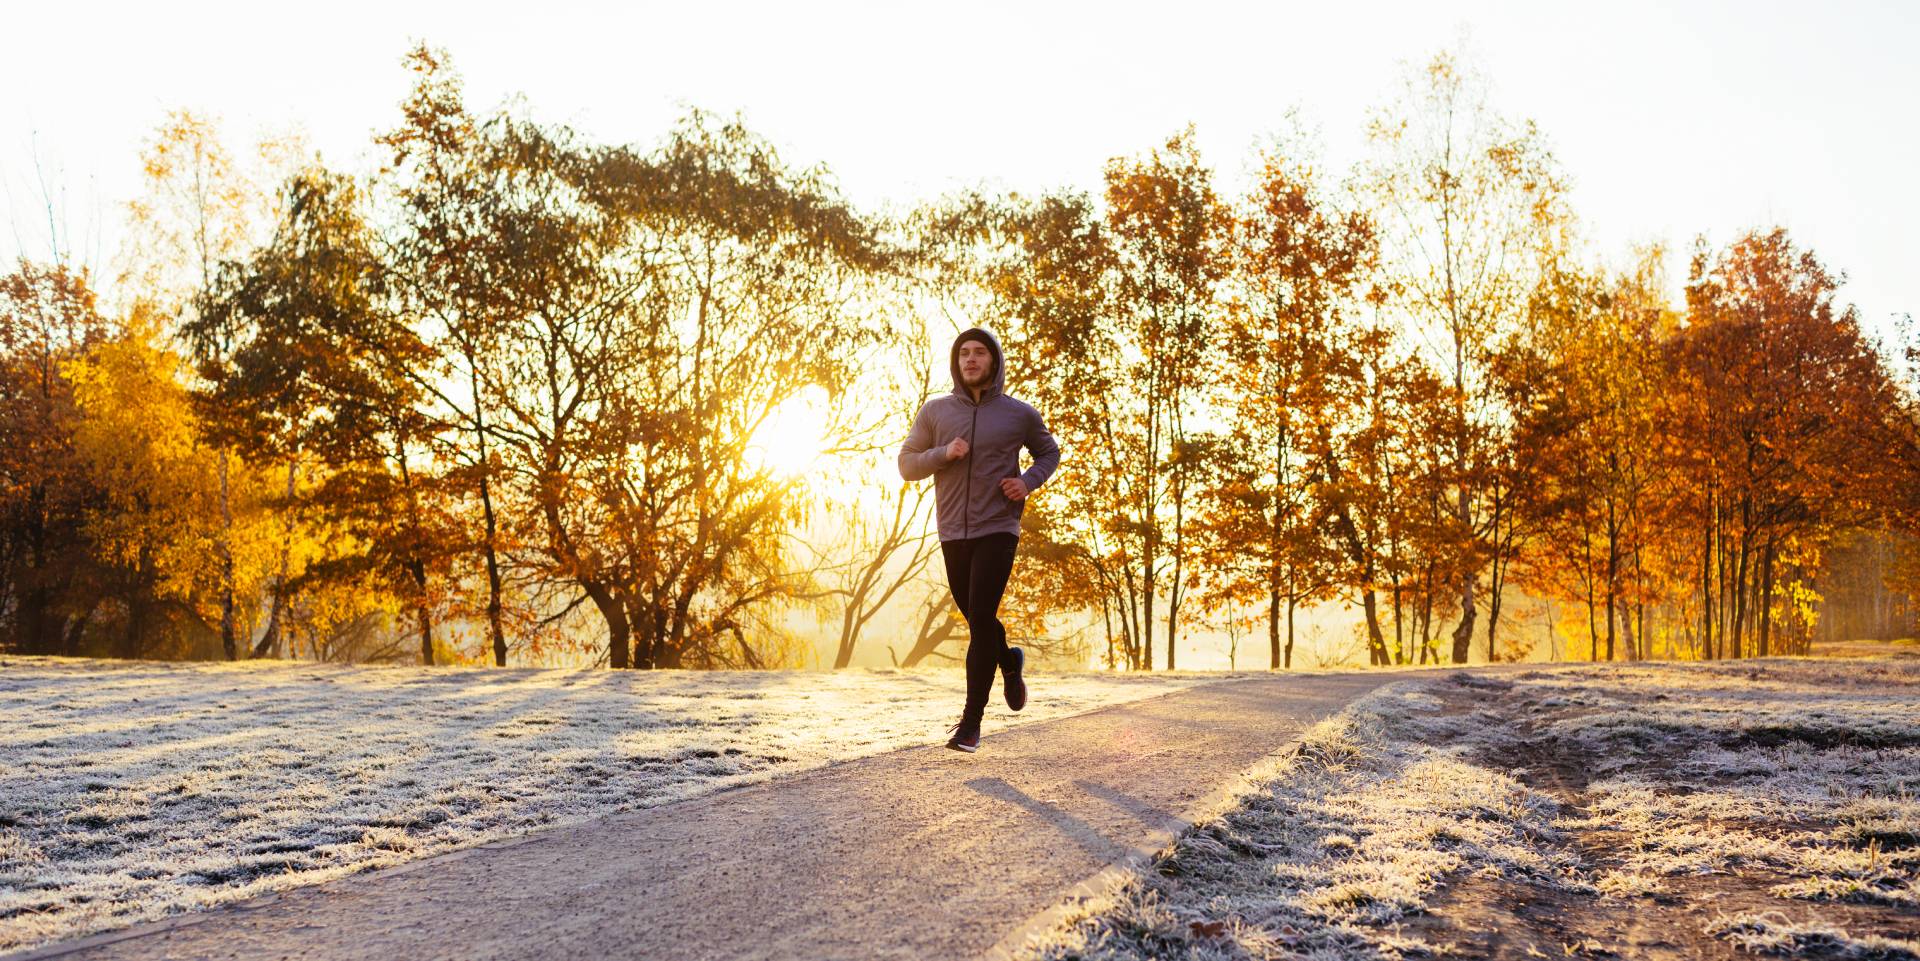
column 1712, row 117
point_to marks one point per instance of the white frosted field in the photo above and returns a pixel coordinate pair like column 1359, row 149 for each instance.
column 134, row 790
column 1769, row 807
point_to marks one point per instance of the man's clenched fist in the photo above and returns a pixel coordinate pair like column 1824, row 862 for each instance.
column 1013, row 488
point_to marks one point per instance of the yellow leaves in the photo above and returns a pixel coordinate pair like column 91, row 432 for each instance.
column 158, row 480
column 137, row 438
column 198, row 206
column 136, row 426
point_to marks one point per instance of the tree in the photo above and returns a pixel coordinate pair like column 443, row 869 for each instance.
column 1786, row 411
column 1466, row 202
column 763, row 291
column 886, row 557
column 1167, row 227
column 452, row 255
column 157, row 517
column 1377, row 485
column 199, row 209
column 49, row 319
column 1585, row 388
column 1114, row 313
column 1297, row 266
column 325, row 367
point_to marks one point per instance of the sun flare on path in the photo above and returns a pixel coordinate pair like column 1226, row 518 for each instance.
column 793, row 437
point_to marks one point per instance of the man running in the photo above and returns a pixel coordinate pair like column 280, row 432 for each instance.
column 969, row 441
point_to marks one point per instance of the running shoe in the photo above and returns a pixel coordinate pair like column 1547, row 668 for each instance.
column 966, row 737
column 1011, row 682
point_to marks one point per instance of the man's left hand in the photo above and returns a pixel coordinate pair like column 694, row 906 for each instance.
column 1013, row 488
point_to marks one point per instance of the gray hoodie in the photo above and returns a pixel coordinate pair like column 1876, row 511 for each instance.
column 968, row 501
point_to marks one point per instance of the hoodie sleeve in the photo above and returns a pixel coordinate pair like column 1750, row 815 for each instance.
column 920, row 456
column 1046, row 453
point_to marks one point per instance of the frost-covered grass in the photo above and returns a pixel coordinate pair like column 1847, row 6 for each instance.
column 1772, row 933
column 1803, row 771
column 1637, row 789
column 134, row 790
column 1316, row 854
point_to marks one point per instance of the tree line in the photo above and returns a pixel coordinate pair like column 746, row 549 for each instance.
column 496, row 399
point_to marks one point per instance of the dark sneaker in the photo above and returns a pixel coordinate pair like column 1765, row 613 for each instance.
column 1011, row 682
column 966, row 737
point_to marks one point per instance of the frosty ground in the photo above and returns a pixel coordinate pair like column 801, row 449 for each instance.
column 1764, row 807
column 134, row 790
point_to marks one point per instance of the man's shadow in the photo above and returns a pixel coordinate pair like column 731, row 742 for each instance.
column 1074, row 828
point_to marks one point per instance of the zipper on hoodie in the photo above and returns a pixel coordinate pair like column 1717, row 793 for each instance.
column 966, row 512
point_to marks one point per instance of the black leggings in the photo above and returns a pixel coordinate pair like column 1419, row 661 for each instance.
column 977, row 570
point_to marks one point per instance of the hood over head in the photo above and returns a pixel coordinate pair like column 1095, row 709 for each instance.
column 995, row 384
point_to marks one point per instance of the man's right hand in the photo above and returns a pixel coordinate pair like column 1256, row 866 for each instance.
column 956, row 448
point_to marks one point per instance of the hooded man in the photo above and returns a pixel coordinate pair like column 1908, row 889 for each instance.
column 969, row 441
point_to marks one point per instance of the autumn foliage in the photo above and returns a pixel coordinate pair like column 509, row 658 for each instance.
column 497, row 400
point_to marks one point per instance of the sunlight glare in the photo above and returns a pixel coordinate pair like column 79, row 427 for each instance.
column 791, row 439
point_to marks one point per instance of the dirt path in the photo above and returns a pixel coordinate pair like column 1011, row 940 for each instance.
column 1496, row 919
column 922, row 852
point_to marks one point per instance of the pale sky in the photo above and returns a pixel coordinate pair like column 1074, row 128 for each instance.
column 1671, row 118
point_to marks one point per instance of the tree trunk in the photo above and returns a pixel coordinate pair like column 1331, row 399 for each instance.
column 1146, row 597
column 1399, row 628
column 1273, row 625
column 1497, row 585
column 136, row 625
column 494, row 631
column 270, row 640
column 1274, row 547
column 1706, row 589
column 133, row 643
column 618, row 628
column 1493, row 612
column 425, row 621
column 649, row 623
column 1424, row 617
column 1593, row 631
column 1613, row 610
column 1289, row 659
column 1646, row 642
column 35, row 636
column 1179, row 558
column 1127, row 598
column 228, row 642
column 1106, row 618
column 489, row 545
column 1376, row 642
column 1626, row 631
column 1463, row 634
column 843, row 652
column 415, row 566
column 75, row 630
column 1613, row 571
column 418, row 569
column 1766, row 597
column 1738, row 634
column 936, row 628
column 1610, row 600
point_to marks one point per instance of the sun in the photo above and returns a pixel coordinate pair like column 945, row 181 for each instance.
column 793, row 437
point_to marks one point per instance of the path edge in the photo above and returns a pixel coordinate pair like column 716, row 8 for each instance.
column 1216, row 802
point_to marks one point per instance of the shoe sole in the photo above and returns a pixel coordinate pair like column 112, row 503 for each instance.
column 1018, row 681
column 963, row 747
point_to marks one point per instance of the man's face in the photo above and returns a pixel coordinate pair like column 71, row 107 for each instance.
column 976, row 363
